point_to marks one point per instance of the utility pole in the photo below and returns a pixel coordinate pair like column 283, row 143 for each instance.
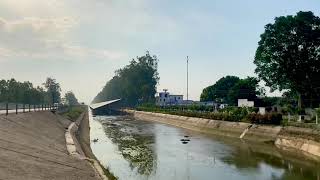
column 187, row 79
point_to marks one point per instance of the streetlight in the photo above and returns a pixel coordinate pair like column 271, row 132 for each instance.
column 187, row 79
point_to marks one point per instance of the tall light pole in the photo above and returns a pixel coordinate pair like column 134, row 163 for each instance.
column 187, row 79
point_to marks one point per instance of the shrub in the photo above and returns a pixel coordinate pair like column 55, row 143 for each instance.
column 74, row 112
column 234, row 114
column 269, row 118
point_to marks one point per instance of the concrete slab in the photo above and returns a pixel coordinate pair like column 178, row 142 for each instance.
column 33, row 146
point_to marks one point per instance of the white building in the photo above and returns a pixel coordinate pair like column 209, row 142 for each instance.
column 245, row 103
column 165, row 98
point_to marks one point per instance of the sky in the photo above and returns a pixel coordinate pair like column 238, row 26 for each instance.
column 81, row 43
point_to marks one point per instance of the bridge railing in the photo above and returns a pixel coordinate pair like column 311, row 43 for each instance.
column 8, row 108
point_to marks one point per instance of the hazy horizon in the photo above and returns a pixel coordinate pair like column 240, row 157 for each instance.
column 82, row 43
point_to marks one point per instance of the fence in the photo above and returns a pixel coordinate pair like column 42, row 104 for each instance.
column 6, row 108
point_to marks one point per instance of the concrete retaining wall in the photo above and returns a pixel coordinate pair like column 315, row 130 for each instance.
column 217, row 127
column 263, row 133
column 74, row 146
column 289, row 137
column 303, row 139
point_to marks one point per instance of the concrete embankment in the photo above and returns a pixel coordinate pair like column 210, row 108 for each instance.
column 33, row 146
column 302, row 139
column 83, row 137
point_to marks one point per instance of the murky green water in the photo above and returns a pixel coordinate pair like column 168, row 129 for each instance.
column 138, row 150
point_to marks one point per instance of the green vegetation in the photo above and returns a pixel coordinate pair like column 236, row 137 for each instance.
column 247, row 88
column 53, row 90
column 70, row 99
column 22, row 92
column 235, row 114
column 107, row 172
column 12, row 91
column 73, row 112
column 231, row 88
column 287, row 57
column 133, row 146
column 220, row 90
column 135, row 83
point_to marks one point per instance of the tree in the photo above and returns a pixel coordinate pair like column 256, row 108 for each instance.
column 135, row 83
column 220, row 90
column 71, row 98
column 245, row 89
column 13, row 91
column 288, row 56
column 53, row 90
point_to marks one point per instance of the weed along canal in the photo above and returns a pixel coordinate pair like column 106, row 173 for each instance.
column 136, row 150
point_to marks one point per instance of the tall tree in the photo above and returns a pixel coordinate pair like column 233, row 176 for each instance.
column 134, row 83
column 288, row 56
column 53, row 90
column 71, row 98
column 247, row 88
column 220, row 90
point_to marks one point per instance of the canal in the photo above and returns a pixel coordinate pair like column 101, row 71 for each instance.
column 139, row 150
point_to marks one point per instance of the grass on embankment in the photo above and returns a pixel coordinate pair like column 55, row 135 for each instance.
column 73, row 112
column 108, row 173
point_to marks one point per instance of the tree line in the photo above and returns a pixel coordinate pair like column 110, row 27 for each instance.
column 134, row 83
column 13, row 91
column 287, row 59
column 229, row 89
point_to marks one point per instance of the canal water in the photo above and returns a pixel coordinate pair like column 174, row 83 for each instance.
column 139, row 150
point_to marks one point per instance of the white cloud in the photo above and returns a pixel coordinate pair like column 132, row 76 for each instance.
column 85, row 53
column 45, row 38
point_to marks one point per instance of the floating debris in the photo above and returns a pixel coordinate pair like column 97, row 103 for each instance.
column 95, row 140
column 185, row 140
column 128, row 138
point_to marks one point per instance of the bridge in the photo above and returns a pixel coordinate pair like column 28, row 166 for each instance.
column 106, row 107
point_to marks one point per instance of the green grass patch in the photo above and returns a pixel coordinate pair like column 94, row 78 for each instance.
column 106, row 171
column 73, row 112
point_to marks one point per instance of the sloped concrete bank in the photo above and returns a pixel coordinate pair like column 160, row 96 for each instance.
column 78, row 143
column 33, row 146
column 302, row 139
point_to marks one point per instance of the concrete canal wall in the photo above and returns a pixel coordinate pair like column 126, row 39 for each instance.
column 80, row 132
column 302, row 139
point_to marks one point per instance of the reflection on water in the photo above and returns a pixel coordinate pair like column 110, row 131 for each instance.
column 137, row 150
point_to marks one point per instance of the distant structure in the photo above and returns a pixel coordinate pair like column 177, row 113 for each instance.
column 107, row 107
column 245, row 103
column 165, row 98
column 213, row 104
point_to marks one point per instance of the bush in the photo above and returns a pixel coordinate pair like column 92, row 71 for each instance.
column 74, row 112
column 233, row 114
column 269, row 118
